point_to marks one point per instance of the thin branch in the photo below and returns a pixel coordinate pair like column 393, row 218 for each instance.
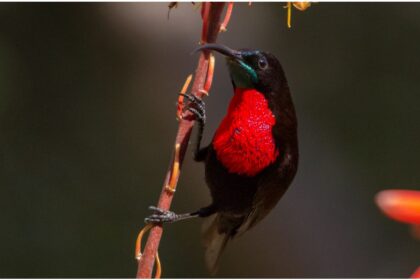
column 211, row 25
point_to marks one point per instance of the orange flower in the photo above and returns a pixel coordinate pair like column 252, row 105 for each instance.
column 403, row 206
column 400, row 205
column 416, row 273
column 301, row 6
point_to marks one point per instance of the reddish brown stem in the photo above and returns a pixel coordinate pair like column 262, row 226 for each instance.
column 209, row 35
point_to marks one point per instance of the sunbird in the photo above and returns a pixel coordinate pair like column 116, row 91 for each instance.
column 253, row 156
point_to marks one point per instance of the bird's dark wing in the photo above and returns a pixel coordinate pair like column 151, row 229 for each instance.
column 271, row 187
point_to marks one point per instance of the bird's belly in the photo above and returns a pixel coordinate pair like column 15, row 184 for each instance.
column 232, row 193
column 244, row 142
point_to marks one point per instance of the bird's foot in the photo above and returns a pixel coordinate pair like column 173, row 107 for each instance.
column 161, row 216
column 196, row 106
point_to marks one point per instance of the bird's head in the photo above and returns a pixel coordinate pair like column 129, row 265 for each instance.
column 251, row 68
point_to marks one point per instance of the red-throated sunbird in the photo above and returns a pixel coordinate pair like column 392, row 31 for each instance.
column 253, row 156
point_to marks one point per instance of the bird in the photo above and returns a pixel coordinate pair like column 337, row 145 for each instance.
column 253, row 156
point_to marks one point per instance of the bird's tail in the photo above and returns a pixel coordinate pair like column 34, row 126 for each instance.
column 214, row 241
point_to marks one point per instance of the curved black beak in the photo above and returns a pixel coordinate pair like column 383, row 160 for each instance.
column 221, row 49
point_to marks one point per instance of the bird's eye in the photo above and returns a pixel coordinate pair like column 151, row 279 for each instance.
column 262, row 63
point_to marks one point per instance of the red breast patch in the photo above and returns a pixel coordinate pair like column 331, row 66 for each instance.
column 244, row 141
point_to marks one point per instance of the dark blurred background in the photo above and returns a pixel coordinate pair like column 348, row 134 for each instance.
column 87, row 124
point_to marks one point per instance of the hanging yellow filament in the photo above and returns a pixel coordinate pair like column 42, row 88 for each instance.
column 171, row 187
column 138, row 253
column 289, row 14
column 181, row 97
column 158, row 272
column 301, row 6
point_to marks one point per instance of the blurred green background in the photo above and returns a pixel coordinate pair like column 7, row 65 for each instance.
column 87, row 124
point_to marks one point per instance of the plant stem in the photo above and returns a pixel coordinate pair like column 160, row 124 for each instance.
column 211, row 27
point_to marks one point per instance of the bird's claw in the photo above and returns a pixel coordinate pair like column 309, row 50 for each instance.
column 160, row 216
column 156, row 209
column 196, row 106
